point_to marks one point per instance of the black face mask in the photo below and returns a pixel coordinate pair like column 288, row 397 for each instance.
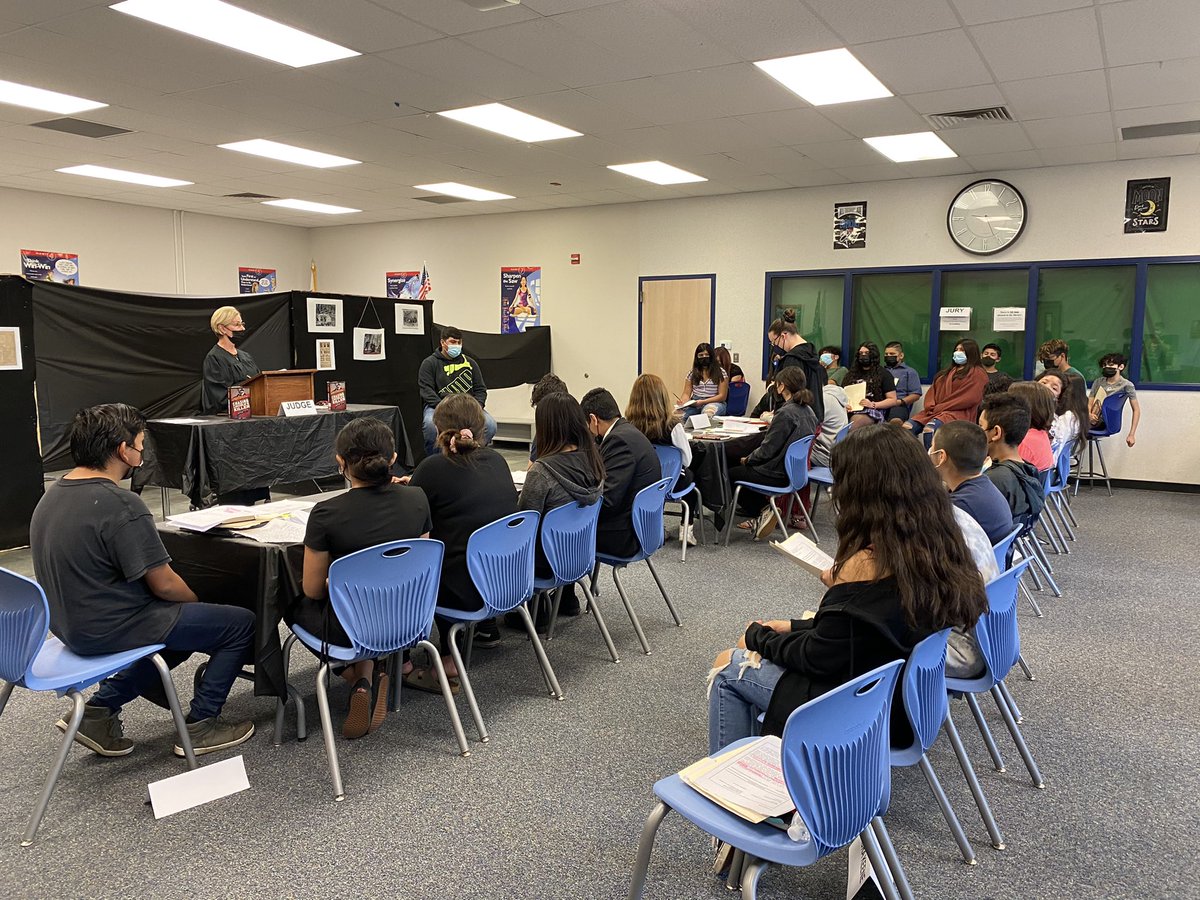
column 1049, row 364
column 891, row 360
column 988, row 361
column 864, row 360
column 701, row 362
column 1108, row 371
column 237, row 338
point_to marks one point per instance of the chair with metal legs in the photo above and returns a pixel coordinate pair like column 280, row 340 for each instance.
column 647, row 515
column 1058, row 496
column 1003, row 550
column 671, row 459
column 821, row 475
column 796, row 464
column 383, row 597
column 1113, row 410
column 31, row 661
column 835, row 760
column 999, row 641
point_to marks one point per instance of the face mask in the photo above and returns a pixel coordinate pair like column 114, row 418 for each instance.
column 959, row 357
column 826, row 359
column 454, row 351
column 1108, row 371
column 891, row 360
column 702, row 361
column 864, row 359
column 237, row 338
column 990, row 360
column 1049, row 364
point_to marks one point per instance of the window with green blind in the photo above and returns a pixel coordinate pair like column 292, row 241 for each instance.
column 983, row 291
column 1171, row 334
column 817, row 303
column 1089, row 307
column 893, row 307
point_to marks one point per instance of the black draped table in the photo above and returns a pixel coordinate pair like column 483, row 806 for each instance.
column 710, row 466
column 208, row 455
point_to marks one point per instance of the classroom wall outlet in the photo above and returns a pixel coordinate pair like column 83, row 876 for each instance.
column 735, row 357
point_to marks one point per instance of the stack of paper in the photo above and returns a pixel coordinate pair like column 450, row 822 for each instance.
column 804, row 553
column 855, row 395
column 747, row 781
column 240, row 517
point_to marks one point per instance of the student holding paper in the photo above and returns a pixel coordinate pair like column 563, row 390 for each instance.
column 878, row 391
column 886, row 592
column 706, row 385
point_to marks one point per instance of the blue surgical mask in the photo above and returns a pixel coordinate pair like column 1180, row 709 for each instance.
column 454, row 350
column 959, row 357
column 826, row 359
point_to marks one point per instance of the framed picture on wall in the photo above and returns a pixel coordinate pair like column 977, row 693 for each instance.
column 410, row 319
column 325, row 315
column 368, row 344
column 326, row 358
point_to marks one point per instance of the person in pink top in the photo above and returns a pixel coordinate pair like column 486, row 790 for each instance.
column 1035, row 448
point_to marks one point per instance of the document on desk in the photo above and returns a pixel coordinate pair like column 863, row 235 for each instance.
column 181, row 421
column 207, row 519
column 289, row 530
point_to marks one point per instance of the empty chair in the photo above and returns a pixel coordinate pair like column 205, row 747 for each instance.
column 1113, row 410
column 1000, row 643
column 672, row 466
column 384, row 598
column 648, row 526
column 835, row 761
column 796, row 463
column 1003, row 549
column 31, row 661
column 739, row 397
column 1058, row 495
column 569, row 542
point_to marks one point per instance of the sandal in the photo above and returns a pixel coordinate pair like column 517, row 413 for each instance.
column 426, row 680
column 379, row 708
column 358, row 719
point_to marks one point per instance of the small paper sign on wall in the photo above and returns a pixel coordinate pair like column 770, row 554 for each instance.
column 1008, row 318
column 955, row 318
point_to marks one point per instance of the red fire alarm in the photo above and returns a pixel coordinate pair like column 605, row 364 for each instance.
column 574, row 259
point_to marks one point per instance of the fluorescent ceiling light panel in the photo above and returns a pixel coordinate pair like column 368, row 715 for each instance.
column 233, row 27
column 831, row 76
column 658, row 172
column 50, row 101
column 454, row 189
column 288, row 153
column 310, row 206
column 122, row 175
column 510, row 122
column 911, row 147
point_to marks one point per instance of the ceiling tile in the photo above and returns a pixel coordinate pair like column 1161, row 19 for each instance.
column 1157, row 115
column 869, row 118
column 980, row 96
column 31, row 12
column 456, row 62
column 1071, row 130
column 358, row 24
column 1173, row 145
column 838, row 155
column 1084, row 153
column 796, row 126
column 1134, row 31
column 988, row 137
column 576, row 110
column 1155, row 84
column 1077, row 93
column 411, row 89
column 762, row 29
column 720, row 135
column 974, row 12
column 879, row 171
column 785, row 162
column 454, row 17
column 859, row 21
column 998, row 162
column 926, row 62
column 1041, row 45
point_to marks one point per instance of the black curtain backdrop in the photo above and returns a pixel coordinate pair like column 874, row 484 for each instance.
column 96, row 346
column 21, row 486
column 507, row 360
column 391, row 381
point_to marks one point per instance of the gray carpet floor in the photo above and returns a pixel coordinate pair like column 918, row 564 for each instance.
column 553, row 805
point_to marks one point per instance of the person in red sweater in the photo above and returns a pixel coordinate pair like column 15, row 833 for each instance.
column 956, row 391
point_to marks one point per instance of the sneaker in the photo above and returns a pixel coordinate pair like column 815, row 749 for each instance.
column 100, row 731
column 766, row 524
column 487, row 634
column 688, row 534
column 216, row 733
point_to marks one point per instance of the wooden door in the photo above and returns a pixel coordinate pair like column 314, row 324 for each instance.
column 676, row 315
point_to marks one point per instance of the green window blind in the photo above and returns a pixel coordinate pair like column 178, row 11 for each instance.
column 983, row 291
column 1171, row 334
column 1091, row 308
column 893, row 307
column 817, row 302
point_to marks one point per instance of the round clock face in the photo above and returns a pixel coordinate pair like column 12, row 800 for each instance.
column 986, row 217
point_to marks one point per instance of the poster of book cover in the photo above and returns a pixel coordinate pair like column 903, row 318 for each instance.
column 44, row 265
column 403, row 285
column 520, row 298
column 239, row 402
column 336, row 391
column 1146, row 205
column 255, row 281
column 850, row 225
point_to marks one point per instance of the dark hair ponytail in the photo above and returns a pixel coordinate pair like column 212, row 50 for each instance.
column 792, row 378
column 459, row 421
column 366, row 447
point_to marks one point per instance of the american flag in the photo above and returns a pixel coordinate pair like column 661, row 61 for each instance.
column 426, row 285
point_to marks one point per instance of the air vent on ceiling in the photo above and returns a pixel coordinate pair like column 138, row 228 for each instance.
column 250, row 195
column 489, row 5
column 441, row 199
column 963, row 117
column 81, row 127
column 1165, row 129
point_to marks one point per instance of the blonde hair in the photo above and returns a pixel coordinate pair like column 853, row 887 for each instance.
column 224, row 316
column 650, row 410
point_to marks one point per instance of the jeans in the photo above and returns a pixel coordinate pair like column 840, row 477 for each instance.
column 734, row 703
column 712, row 409
column 225, row 633
column 489, row 430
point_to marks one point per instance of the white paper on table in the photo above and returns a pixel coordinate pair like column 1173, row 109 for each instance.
column 731, row 427
column 751, row 779
column 207, row 519
column 181, row 421
column 699, row 421
column 277, row 531
column 518, row 477
column 1008, row 318
column 855, row 395
column 197, row 786
column 955, row 318
column 281, row 507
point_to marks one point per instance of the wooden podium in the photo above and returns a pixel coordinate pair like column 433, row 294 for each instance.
column 270, row 389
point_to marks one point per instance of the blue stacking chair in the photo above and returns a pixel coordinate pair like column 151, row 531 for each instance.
column 30, row 660
column 796, row 464
column 1113, row 410
column 671, row 460
column 500, row 558
column 923, row 689
column 569, row 542
column 648, row 526
column 1057, row 494
column 822, row 475
column 1000, row 643
column 835, row 761
column 1003, row 550
column 384, row 598
column 1050, row 529
column 739, row 397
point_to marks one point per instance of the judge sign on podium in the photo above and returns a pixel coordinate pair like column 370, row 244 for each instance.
column 270, row 390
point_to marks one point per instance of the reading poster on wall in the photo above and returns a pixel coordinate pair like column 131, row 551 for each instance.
column 44, row 265
column 520, row 298
column 403, row 285
column 255, row 281
column 850, row 225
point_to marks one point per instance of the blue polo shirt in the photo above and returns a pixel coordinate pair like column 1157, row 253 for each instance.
column 907, row 382
column 983, row 502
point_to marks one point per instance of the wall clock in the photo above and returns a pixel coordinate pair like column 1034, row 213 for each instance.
column 986, row 217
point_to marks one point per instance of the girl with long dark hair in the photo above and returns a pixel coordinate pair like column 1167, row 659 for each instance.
column 1070, row 406
column 956, row 391
column 881, row 386
column 706, row 385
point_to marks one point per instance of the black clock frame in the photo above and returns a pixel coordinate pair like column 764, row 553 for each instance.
column 1016, row 237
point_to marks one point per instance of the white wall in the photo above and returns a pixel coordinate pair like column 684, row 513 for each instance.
column 1074, row 213
column 139, row 248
